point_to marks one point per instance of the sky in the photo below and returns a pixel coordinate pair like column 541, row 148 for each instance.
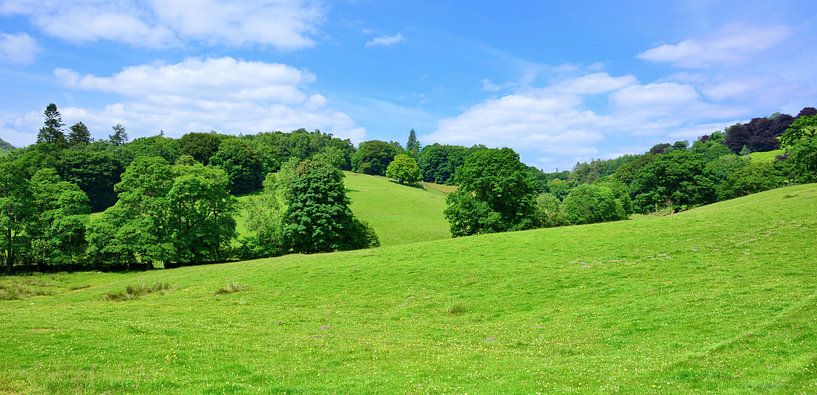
column 558, row 81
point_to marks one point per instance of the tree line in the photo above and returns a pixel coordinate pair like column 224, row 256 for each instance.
column 159, row 201
column 163, row 202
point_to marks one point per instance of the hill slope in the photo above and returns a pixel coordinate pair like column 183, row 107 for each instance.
column 400, row 214
column 719, row 298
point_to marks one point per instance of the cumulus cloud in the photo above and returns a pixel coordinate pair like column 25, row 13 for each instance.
column 18, row 48
column 224, row 94
column 385, row 41
column 283, row 24
column 553, row 126
column 731, row 45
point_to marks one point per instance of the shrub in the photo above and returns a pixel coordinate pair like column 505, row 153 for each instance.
column 403, row 169
column 132, row 292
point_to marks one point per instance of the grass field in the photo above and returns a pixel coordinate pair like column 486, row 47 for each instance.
column 720, row 298
column 765, row 157
column 400, row 214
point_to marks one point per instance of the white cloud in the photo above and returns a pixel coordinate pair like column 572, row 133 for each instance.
column 224, row 94
column 731, row 45
column 18, row 48
column 283, row 24
column 385, row 41
column 554, row 127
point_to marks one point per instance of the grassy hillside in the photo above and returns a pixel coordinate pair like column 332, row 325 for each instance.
column 723, row 297
column 400, row 214
column 765, row 157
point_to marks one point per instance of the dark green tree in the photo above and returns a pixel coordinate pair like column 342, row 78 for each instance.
column 317, row 217
column 413, row 145
column 52, row 130
column 57, row 233
column 119, row 136
column 495, row 193
column 438, row 163
column 587, row 204
column 404, row 169
column 373, row 157
column 201, row 214
column 79, row 135
column 16, row 213
column 164, row 147
column 201, row 146
column 95, row 171
column 677, row 179
column 241, row 163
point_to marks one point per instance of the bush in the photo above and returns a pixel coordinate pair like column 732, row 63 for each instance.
column 587, row 204
column 132, row 292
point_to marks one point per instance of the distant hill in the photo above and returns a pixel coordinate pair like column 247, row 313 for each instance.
column 720, row 298
column 5, row 146
column 399, row 214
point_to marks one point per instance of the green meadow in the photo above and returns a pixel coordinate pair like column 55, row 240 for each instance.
column 400, row 214
column 719, row 298
column 765, row 157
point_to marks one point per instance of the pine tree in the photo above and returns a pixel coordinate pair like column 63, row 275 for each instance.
column 413, row 145
column 119, row 136
column 79, row 134
column 51, row 132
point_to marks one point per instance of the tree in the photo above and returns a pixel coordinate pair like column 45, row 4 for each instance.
column 200, row 214
column 164, row 147
column 79, row 135
column 676, row 179
column 495, row 194
column 317, row 217
column 373, row 157
column 438, row 162
column 241, row 163
column 803, row 158
column 52, row 130
column 201, row 146
column 57, row 233
column 548, row 211
column 334, row 156
column 16, row 213
column 802, row 128
column 119, row 136
column 95, row 172
column 587, row 204
column 413, row 145
column 403, row 169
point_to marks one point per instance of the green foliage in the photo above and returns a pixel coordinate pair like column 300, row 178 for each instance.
column 119, row 136
column 165, row 216
column 803, row 159
column 317, row 216
column 711, row 149
column 79, row 135
column 161, row 146
column 201, row 146
column 495, row 194
column 403, row 169
column 587, row 204
column 16, row 213
column 548, row 211
column 57, row 232
column 334, row 156
column 413, row 145
column 439, row 162
column 676, row 179
column 803, row 128
column 52, row 130
column 276, row 148
column 241, row 163
column 95, row 172
column 373, row 157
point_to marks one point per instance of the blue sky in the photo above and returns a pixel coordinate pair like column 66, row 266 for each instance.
column 559, row 81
